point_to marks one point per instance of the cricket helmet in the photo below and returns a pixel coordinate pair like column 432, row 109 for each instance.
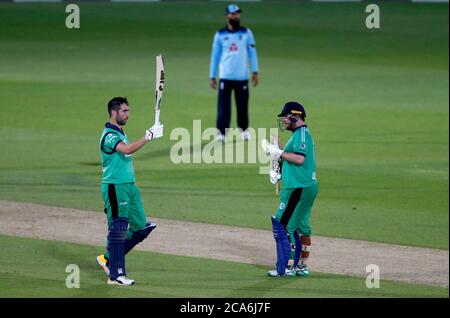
column 293, row 108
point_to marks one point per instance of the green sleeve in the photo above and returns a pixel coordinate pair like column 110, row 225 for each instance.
column 299, row 146
column 110, row 142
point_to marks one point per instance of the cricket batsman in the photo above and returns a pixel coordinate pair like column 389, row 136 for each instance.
column 291, row 226
column 127, row 224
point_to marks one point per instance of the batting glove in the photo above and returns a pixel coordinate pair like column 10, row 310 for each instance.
column 274, row 177
column 155, row 132
column 270, row 149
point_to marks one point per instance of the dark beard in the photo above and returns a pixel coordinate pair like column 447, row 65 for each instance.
column 235, row 23
column 121, row 121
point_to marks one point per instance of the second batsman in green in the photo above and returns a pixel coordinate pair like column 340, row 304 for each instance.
column 291, row 225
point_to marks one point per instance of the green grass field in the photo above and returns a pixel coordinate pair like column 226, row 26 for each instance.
column 377, row 103
column 159, row 275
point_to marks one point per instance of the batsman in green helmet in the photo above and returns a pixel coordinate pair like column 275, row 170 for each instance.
column 291, row 225
column 127, row 225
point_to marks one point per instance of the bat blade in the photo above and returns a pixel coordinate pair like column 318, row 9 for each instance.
column 275, row 163
column 160, row 78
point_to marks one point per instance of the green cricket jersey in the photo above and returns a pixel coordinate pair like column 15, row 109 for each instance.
column 117, row 167
column 304, row 175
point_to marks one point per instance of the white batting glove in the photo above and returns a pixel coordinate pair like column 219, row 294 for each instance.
column 156, row 131
column 274, row 177
column 270, row 149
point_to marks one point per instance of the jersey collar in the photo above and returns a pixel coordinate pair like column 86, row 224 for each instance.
column 234, row 31
column 299, row 128
column 109, row 125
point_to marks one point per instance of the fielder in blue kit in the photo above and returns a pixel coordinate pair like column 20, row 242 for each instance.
column 234, row 57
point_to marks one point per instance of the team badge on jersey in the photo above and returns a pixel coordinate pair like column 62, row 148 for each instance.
column 233, row 47
column 110, row 138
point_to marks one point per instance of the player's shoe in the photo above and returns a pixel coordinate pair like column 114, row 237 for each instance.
column 245, row 135
column 103, row 263
column 121, row 280
column 288, row 273
column 220, row 137
column 302, row 270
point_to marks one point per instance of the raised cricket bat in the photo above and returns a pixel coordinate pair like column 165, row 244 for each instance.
column 275, row 163
column 160, row 76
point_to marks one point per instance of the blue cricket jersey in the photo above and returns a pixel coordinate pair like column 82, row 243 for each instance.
column 232, row 51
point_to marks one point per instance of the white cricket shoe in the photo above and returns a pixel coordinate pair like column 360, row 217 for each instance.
column 245, row 135
column 288, row 272
column 302, row 270
column 121, row 280
column 220, row 137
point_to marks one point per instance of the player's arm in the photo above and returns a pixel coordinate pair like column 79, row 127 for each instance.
column 299, row 151
column 275, row 152
column 128, row 149
column 215, row 58
column 251, row 49
column 293, row 157
column 152, row 133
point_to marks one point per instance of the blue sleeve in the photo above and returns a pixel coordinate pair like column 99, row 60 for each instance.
column 252, row 52
column 215, row 56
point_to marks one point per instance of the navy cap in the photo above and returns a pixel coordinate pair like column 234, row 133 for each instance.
column 292, row 108
column 232, row 8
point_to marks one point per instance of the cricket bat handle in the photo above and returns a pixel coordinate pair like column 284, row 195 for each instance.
column 157, row 117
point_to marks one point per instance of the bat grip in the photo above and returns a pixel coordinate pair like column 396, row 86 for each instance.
column 157, row 117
